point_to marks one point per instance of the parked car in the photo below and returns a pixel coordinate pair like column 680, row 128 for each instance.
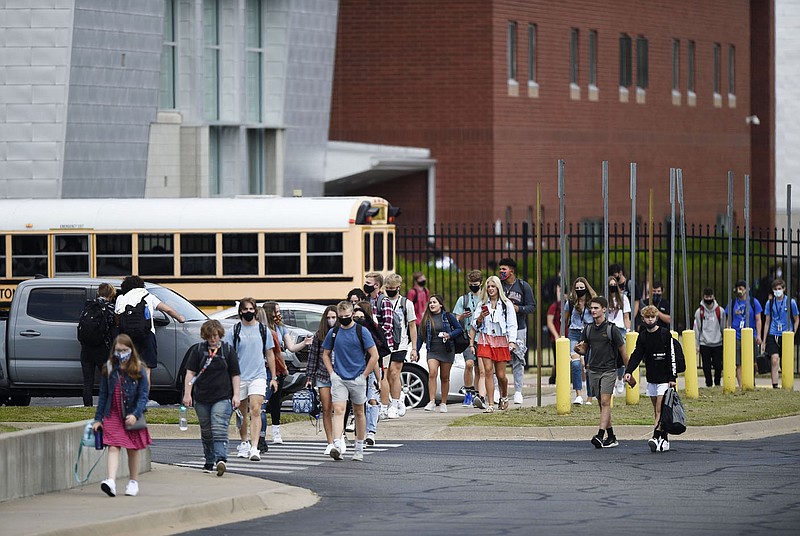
column 414, row 378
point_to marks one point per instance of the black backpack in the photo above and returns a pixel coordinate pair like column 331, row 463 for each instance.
column 134, row 321
column 92, row 324
column 359, row 333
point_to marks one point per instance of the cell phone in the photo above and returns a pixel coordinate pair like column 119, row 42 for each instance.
column 485, row 308
column 467, row 310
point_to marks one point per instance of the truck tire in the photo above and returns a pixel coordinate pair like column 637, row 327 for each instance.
column 19, row 400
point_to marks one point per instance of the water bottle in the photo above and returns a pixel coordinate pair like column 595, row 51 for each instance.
column 182, row 421
column 98, row 439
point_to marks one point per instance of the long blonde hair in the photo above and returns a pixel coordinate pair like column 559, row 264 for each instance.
column 500, row 294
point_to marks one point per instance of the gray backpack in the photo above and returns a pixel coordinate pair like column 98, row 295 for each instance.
column 399, row 321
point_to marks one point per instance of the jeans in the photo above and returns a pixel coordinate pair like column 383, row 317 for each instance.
column 576, row 374
column 373, row 411
column 574, row 338
column 519, row 359
column 89, row 364
column 214, row 420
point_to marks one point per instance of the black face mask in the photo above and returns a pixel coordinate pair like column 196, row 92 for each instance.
column 612, row 288
column 708, row 302
column 248, row 316
column 368, row 288
column 474, row 288
column 345, row 321
column 422, row 283
column 580, row 292
column 392, row 293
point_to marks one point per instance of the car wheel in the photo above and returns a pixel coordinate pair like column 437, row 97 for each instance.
column 414, row 382
column 19, row 400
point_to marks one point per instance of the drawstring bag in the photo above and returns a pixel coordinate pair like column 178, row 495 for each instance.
column 89, row 440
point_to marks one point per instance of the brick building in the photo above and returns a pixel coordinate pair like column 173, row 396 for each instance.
column 499, row 90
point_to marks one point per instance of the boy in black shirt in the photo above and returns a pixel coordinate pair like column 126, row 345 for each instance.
column 654, row 346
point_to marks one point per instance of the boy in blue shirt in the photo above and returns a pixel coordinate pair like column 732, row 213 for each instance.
column 740, row 319
column 779, row 319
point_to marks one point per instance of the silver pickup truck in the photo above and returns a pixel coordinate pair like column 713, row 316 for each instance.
column 40, row 353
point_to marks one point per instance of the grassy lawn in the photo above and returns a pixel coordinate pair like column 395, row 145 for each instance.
column 713, row 407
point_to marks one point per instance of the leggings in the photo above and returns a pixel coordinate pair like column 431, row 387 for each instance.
column 273, row 406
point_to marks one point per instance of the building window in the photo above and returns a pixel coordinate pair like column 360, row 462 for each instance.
column 28, row 255
column 512, row 50
column 166, row 100
column 211, row 53
column 625, row 61
column 717, row 67
column 573, row 56
column 255, row 61
column 676, row 65
column 531, row 53
column 641, row 62
column 240, row 254
column 198, row 254
column 256, row 161
column 690, row 73
column 731, row 70
column 114, row 257
column 214, row 160
column 593, row 58
column 156, row 254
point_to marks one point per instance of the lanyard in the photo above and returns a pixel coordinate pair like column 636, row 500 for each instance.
column 212, row 352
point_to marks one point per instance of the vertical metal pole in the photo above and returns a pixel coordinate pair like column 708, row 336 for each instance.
column 789, row 263
column 672, row 249
column 563, row 234
column 632, row 272
column 605, row 228
column 746, row 254
column 650, row 253
column 683, row 249
column 730, row 236
column 539, row 294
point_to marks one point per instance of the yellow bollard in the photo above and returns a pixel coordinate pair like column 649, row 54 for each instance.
column 787, row 360
column 729, row 360
column 690, row 353
column 748, row 377
column 563, row 406
column 632, row 393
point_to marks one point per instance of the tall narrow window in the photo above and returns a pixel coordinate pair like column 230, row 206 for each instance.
column 214, row 161
column 676, row 65
column 255, row 61
column 641, row 62
column 593, row 58
column 717, row 67
column 731, row 70
column 255, row 161
column 625, row 61
column 166, row 100
column 512, row 50
column 211, row 52
column 573, row 56
column 532, row 53
column 690, row 68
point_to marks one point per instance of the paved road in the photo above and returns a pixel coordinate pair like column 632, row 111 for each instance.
column 521, row 487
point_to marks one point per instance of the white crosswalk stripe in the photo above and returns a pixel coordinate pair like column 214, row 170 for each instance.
column 287, row 458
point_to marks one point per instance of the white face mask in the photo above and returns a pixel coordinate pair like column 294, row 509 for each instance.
column 778, row 293
column 123, row 356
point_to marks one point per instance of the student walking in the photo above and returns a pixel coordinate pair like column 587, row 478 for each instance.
column 781, row 315
column 96, row 331
column 709, row 321
column 465, row 307
column 437, row 330
column 520, row 294
column 619, row 314
column 318, row 376
column 737, row 311
column 578, row 302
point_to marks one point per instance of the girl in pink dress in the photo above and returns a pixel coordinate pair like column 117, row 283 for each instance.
column 123, row 397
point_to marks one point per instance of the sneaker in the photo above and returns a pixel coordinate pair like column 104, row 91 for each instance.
column 335, row 454
column 358, row 456
column 351, row 424
column 430, row 406
column 518, row 397
column 478, row 402
column 328, row 449
column 276, row 436
column 401, row 407
column 654, row 443
column 221, row 466
column 255, row 456
column 442, row 408
column 392, row 412
column 588, row 402
column 597, row 442
column 467, row 403
column 262, row 445
column 132, row 489
column 462, row 390
column 503, row 405
column 578, row 400
column 384, row 413
column 243, row 450
column 609, row 442
column 370, row 441
column 619, row 387
column 109, row 487
column 343, row 444
column 208, row 467
column 664, row 447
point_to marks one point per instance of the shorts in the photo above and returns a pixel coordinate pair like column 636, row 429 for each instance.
column 354, row 390
column 656, row 389
column 322, row 385
column 398, row 356
column 756, row 351
column 148, row 351
column 257, row 387
column 469, row 355
column 601, row 383
column 774, row 345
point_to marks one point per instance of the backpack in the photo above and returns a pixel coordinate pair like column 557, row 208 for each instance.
column 280, row 364
column 92, row 324
column 359, row 333
column 399, row 321
column 377, row 335
column 673, row 414
column 610, row 335
column 135, row 320
column 460, row 342
column 703, row 316
column 306, row 401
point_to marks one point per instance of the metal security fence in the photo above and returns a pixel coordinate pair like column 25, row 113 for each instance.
column 453, row 249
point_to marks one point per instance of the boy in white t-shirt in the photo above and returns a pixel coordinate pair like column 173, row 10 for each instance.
column 391, row 387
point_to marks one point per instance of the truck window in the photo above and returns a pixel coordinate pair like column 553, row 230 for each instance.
column 56, row 304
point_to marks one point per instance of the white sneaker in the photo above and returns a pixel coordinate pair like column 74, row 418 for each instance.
column 392, row 412
column 132, row 489
column 358, row 456
column 343, row 444
column 588, row 402
column 430, row 406
column 255, row 456
column 335, row 453
column 370, row 441
column 276, row 435
column 243, row 450
column 109, row 487
column 518, row 397
column 401, row 407
column 578, row 400
column 328, row 449
column 664, row 446
column 442, row 408
column 654, row 443
column 619, row 387
column 384, row 413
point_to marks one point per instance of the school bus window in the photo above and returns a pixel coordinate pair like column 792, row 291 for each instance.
column 71, row 253
column 325, row 254
column 2, row 256
column 367, row 253
column 114, row 254
column 156, row 253
column 240, row 254
column 377, row 263
column 198, row 254
column 28, row 255
column 390, row 251
column 282, row 255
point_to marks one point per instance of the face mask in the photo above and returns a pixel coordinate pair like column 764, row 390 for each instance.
column 656, row 298
column 504, row 275
column 580, row 292
column 708, row 302
column 422, row 282
column 612, row 288
column 778, row 293
column 474, row 288
column 248, row 316
column 368, row 288
column 392, row 293
column 345, row 320
column 123, row 356
column 331, row 322
column 650, row 323
column 740, row 293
